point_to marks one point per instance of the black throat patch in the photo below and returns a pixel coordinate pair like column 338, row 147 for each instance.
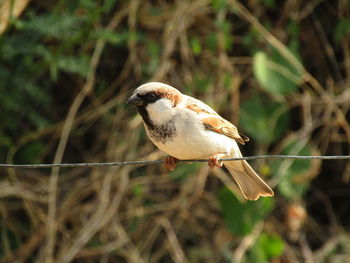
column 160, row 133
column 144, row 114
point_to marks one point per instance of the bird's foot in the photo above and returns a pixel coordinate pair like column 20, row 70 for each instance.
column 170, row 163
column 214, row 161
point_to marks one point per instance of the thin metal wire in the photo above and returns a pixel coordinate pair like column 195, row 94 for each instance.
column 71, row 165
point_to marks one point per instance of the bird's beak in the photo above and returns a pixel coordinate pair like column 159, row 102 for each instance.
column 135, row 100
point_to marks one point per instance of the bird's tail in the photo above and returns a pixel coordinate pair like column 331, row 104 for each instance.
column 251, row 185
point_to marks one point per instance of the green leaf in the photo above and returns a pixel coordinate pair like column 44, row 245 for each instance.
column 219, row 5
column 13, row 47
column 5, row 140
column 269, row 3
column 138, row 190
column 108, row 5
column 293, row 185
column 196, row 46
column 202, row 83
column 273, row 245
column 30, row 153
column 225, row 28
column 13, row 237
column 183, row 171
column 275, row 74
column 265, row 121
column 241, row 218
column 250, row 40
column 342, row 29
column 75, row 65
column 228, row 78
column 293, row 30
column 115, row 38
column 58, row 26
column 211, row 42
column 154, row 51
column 26, row 100
column 266, row 248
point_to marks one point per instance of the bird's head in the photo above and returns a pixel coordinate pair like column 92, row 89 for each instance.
column 155, row 101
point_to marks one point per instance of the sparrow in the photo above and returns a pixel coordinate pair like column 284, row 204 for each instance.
column 186, row 128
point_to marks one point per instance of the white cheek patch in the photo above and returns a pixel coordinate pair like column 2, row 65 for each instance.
column 160, row 112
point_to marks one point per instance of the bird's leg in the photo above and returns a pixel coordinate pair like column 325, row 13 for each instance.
column 170, row 163
column 214, row 160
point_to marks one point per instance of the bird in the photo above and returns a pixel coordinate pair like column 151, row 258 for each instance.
column 186, row 128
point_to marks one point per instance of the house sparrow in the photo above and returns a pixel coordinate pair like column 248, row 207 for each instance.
column 187, row 128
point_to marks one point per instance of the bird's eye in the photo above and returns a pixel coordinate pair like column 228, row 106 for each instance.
column 151, row 96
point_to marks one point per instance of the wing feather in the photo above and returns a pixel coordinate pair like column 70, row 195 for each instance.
column 222, row 126
column 213, row 121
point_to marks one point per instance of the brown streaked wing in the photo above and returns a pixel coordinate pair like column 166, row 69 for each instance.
column 197, row 109
column 244, row 137
column 199, row 106
column 224, row 127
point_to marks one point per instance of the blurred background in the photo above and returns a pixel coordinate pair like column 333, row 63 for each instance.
column 279, row 70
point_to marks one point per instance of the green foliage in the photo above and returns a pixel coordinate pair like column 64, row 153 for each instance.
column 211, row 42
column 13, row 240
column 33, row 58
column 273, row 71
column 56, row 26
column 30, row 153
column 154, row 49
column 29, row 62
column 269, row 3
column 342, row 29
column 138, row 191
column 264, row 121
column 228, row 81
column 112, row 37
column 266, row 248
column 219, row 5
column 275, row 74
column 225, row 29
column 202, row 83
column 69, row 64
column 241, row 217
column 293, row 184
column 250, row 40
column 183, row 171
column 196, row 46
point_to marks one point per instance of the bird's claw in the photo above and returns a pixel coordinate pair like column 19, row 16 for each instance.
column 214, row 161
column 170, row 163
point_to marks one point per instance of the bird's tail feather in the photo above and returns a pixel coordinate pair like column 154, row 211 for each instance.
column 251, row 185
